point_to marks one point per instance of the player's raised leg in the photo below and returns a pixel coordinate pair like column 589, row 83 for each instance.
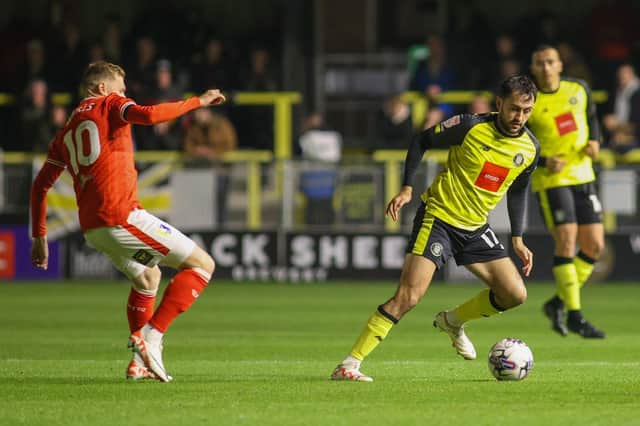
column 416, row 276
column 506, row 290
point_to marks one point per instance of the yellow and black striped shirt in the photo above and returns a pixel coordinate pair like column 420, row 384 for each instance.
column 483, row 164
column 563, row 121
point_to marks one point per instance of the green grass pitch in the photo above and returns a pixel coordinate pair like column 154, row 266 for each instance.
column 261, row 354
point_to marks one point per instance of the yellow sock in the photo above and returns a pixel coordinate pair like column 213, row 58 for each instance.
column 584, row 267
column 481, row 305
column 374, row 332
column 567, row 282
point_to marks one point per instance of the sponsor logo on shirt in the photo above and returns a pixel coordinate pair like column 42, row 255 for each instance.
column 491, row 176
column 566, row 123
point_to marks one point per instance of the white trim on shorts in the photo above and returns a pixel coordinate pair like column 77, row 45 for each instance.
column 143, row 242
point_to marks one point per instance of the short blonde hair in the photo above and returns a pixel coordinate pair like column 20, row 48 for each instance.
column 99, row 71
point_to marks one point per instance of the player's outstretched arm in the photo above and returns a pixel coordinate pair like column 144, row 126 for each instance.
column 154, row 114
column 212, row 97
column 40, row 252
column 397, row 202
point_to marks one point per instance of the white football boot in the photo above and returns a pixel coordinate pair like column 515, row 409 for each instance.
column 150, row 350
column 349, row 372
column 137, row 370
column 459, row 339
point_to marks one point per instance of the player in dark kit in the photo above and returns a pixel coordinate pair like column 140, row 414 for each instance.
column 565, row 122
column 490, row 156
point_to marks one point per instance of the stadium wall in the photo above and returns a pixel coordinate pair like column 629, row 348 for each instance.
column 314, row 256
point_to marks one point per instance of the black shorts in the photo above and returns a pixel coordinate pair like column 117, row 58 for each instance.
column 438, row 241
column 570, row 204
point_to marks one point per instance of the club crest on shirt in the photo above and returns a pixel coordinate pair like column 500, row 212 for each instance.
column 573, row 100
column 142, row 257
column 518, row 159
column 436, row 249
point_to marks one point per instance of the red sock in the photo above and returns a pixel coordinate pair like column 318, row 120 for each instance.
column 179, row 295
column 139, row 309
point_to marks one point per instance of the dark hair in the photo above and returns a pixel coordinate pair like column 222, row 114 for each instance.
column 541, row 47
column 518, row 84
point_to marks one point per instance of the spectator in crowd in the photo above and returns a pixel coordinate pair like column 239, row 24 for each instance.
column 144, row 67
column 166, row 135
column 435, row 115
column 35, row 66
column 208, row 136
column 210, row 68
column 480, row 104
column 394, row 126
column 509, row 67
column 97, row 52
column 623, row 124
column 58, row 118
column 260, row 77
column 500, row 64
column 433, row 75
column 611, row 28
column 70, row 59
column 34, row 117
column 256, row 122
column 573, row 63
column 321, row 148
column 112, row 38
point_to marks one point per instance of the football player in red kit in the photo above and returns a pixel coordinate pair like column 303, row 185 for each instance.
column 96, row 148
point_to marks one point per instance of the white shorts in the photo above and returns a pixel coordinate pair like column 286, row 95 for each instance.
column 144, row 242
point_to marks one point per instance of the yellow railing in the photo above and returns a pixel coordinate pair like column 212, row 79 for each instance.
column 252, row 158
column 393, row 160
column 283, row 103
column 420, row 104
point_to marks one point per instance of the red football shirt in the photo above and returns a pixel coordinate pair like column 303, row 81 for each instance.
column 95, row 146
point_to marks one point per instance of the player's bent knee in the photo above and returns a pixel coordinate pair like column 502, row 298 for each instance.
column 149, row 280
column 520, row 296
column 595, row 249
column 199, row 259
column 516, row 297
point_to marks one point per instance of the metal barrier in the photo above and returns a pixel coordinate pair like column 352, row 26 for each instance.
column 265, row 193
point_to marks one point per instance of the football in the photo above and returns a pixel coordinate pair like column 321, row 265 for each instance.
column 510, row 359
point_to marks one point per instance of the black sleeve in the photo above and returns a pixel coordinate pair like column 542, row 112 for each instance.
column 517, row 197
column 592, row 117
column 634, row 113
column 441, row 136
